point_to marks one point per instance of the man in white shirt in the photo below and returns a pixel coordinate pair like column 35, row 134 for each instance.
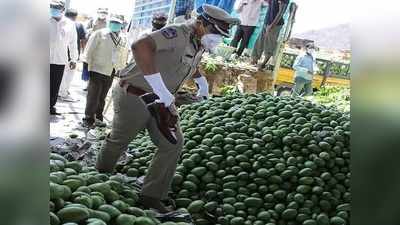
column 63, row 36
column 249, row 13
column 63, row 94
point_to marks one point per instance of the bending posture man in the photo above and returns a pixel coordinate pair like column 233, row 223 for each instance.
column 163, row 61
column 267, row 41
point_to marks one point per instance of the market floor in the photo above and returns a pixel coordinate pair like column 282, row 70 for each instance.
column 73, row 112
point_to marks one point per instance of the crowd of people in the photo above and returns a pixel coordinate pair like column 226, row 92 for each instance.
column 151, row 67
column 103, row 45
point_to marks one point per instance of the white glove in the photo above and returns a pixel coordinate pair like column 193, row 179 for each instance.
column 159, row 88
column 203, row 86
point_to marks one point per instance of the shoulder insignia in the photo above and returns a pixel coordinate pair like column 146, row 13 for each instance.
column 169, row 33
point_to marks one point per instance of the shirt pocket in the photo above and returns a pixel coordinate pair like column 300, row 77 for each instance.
column 185, row 66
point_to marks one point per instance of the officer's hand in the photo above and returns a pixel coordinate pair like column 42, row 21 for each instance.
column 167, row 98
column 159, row 88
column 202, row 84
column 72, row 65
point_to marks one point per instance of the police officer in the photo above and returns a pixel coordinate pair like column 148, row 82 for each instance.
column 164, row 60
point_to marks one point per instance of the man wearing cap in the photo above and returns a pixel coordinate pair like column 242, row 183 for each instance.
column 164, row 60
column 106, row 53
column 305, row 66
column 63, row 36
column 100, row 22
column 92, row 26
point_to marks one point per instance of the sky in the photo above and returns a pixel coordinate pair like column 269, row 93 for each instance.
column 124, row 7
column 316, row 14
column 311, row 14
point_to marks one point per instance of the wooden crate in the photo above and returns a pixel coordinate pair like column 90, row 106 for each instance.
column 230, row 76
column 247, row 84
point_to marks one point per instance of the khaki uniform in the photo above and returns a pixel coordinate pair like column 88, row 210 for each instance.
column 177, row 57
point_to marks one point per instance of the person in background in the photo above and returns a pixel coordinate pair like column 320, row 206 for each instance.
column 106, row 53
column 305, row 67
column 183, row 10
column 99, row 23
column 159, row 21
column 64, row 94
column 63, row 36
column 249, row 13
column 267, row 41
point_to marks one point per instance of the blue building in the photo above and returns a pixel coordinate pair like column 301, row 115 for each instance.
column 144, row 10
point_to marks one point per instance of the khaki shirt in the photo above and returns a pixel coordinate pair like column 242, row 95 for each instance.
column 103, row 55
column 177, row 57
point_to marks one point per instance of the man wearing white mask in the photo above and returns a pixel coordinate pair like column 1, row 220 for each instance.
column 305, row 67
column 63, row 36
column 164, row 60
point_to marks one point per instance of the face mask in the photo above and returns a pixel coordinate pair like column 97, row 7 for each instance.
column 211, row 41
column 310, row 51
column 56, row 13
column 115, row 27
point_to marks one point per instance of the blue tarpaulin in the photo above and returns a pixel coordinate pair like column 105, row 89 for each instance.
column 227, row 5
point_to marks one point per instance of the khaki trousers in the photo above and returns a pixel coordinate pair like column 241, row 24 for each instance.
column 131, row 117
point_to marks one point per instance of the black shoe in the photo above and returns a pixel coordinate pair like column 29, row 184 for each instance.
column 86, row 125
column 54, row 112
column 85, row 89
